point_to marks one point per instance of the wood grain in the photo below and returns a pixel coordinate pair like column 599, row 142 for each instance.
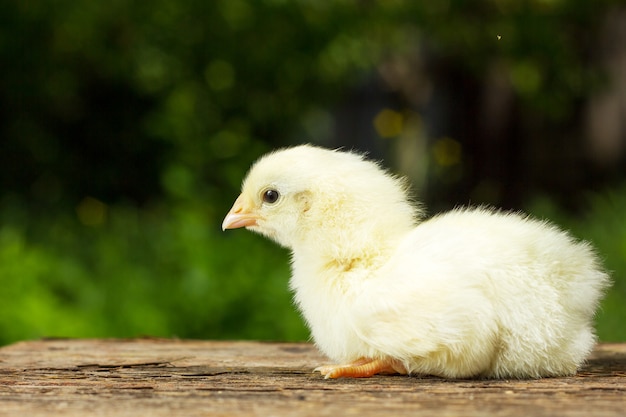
column 155, row 377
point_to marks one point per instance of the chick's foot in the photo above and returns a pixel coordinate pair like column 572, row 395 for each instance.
column 362, row 368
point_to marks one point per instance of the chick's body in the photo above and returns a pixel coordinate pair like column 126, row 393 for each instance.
column 469, row 293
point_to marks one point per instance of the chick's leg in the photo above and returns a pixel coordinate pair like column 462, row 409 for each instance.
column 362, row 368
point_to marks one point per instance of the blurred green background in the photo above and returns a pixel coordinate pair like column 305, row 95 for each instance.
column 126, row 128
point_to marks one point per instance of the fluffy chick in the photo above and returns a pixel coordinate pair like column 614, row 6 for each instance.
column 468, row 293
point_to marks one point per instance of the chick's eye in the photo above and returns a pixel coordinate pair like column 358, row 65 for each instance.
column 270, row 196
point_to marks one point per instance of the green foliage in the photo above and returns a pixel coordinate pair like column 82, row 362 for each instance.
column 172, row 272
column 151, row 272
column 106, row 107
column 128, row 90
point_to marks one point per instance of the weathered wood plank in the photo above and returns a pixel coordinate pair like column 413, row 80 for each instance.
column 154, row 377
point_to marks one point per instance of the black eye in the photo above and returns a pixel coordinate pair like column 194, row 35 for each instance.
column 270, row 196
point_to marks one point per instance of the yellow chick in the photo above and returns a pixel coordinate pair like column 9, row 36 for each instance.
column 469, row 293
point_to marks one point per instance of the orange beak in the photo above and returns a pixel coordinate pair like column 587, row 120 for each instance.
column 239, row 216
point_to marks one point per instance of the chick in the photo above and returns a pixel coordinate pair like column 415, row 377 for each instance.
column 469, row 293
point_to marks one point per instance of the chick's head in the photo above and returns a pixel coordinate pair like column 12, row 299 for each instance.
column 274, row 196
column 321, row 197
column 269, row 205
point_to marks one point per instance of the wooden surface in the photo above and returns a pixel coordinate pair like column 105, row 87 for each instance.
column 154, row 377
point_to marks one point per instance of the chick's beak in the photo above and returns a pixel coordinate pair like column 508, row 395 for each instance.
column 239, row 216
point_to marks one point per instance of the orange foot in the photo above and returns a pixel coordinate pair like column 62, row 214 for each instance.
column 362, row 368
